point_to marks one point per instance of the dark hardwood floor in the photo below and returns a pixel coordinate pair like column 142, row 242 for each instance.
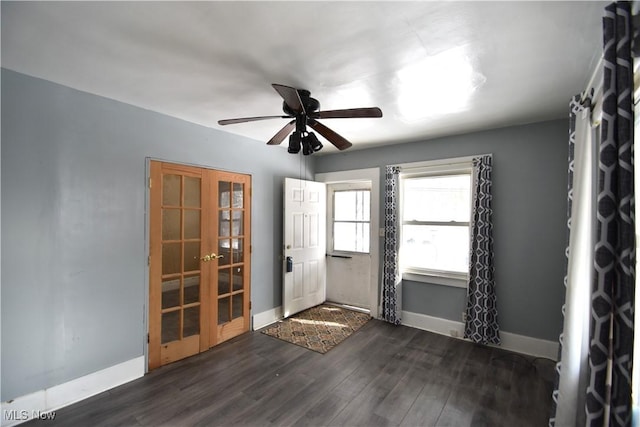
column 382, row 375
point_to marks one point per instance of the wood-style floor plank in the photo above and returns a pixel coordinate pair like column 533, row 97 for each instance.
column 383, row 375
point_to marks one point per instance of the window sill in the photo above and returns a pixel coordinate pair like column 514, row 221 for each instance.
column 455, row 282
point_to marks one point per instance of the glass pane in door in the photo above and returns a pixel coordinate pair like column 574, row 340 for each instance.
column 238, row 219
column 191, row 224
column 238, row 250
column 191, row 289
column 191, row 321
column 238, row 278
column 170, row 293
column 191, row 256
column 170, row 224
column 223, row 310
column 224, row 249
column 191, row 191
column 224, row 281
column 224, row 227
column 224, row 194
column 171, row 190
column 237, row 306
column 171, row 258
column 238, row 195
column 170, row 326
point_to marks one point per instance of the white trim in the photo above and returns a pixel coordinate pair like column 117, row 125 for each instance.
column 529, row 345
column 44, row 401
column 433, row 324
column 435, row 168
column 371, row 175
column 443, row 280
column 260, row 320
column 513, row 342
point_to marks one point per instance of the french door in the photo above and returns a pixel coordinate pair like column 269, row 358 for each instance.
column 199, row 259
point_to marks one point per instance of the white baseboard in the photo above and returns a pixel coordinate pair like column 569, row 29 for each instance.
column 260, row 320
column 514, row 342
column 42, row 402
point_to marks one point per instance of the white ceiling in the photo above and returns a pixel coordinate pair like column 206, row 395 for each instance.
column 434, row 68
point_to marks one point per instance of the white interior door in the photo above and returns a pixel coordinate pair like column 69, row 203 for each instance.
column 304, row 282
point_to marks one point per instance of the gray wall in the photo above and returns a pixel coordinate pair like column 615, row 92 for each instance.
column 529, row 194
column 73, row 270
column 73, row 225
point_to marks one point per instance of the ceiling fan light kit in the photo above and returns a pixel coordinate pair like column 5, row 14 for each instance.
column 294, row 143
column 304, row 110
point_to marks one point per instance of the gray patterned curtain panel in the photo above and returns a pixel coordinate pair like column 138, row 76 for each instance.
column 612, row 299
column 571, row 370
column 481, row 325
column 392, row 280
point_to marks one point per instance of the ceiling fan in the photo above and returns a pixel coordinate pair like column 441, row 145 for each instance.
column 304, row 110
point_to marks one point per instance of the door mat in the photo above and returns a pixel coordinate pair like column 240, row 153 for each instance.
column 319, row 328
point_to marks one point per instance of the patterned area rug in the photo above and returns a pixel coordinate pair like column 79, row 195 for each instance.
column 319, row 328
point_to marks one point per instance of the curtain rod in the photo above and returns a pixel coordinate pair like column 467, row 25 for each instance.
column 440, row 162
column 597, row 71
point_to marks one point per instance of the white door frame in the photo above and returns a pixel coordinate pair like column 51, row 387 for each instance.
column 371, row 175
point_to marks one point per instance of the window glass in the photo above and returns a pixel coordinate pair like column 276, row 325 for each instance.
column 351, row 205
column 351, row 237
column 435, row 216
column 436, row 247
column 437, row 198
column 351, row 217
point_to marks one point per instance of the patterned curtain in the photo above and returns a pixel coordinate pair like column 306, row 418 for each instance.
column 392, row 280
column 612, row 299
column 481, row 325
column 571, row 369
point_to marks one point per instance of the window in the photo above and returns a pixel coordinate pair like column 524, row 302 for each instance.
column 435, row 213
column 351, row 217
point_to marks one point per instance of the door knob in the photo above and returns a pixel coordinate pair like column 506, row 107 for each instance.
column 211, row 257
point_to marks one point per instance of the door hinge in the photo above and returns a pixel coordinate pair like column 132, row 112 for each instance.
column 250, row 249
column 249, row 305
column 149, row 182
column 149, row 260
column 147, row 338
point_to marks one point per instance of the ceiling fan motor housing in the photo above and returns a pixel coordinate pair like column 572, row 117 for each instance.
column 310, row 104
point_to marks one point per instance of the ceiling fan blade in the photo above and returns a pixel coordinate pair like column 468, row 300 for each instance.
column 291, row 97
column 249, row 119
column 330, row 135
column 348, row 113
column 282, row 133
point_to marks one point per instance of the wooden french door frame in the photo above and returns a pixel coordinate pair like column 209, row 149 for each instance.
column 217, row 259
column 238, row 270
